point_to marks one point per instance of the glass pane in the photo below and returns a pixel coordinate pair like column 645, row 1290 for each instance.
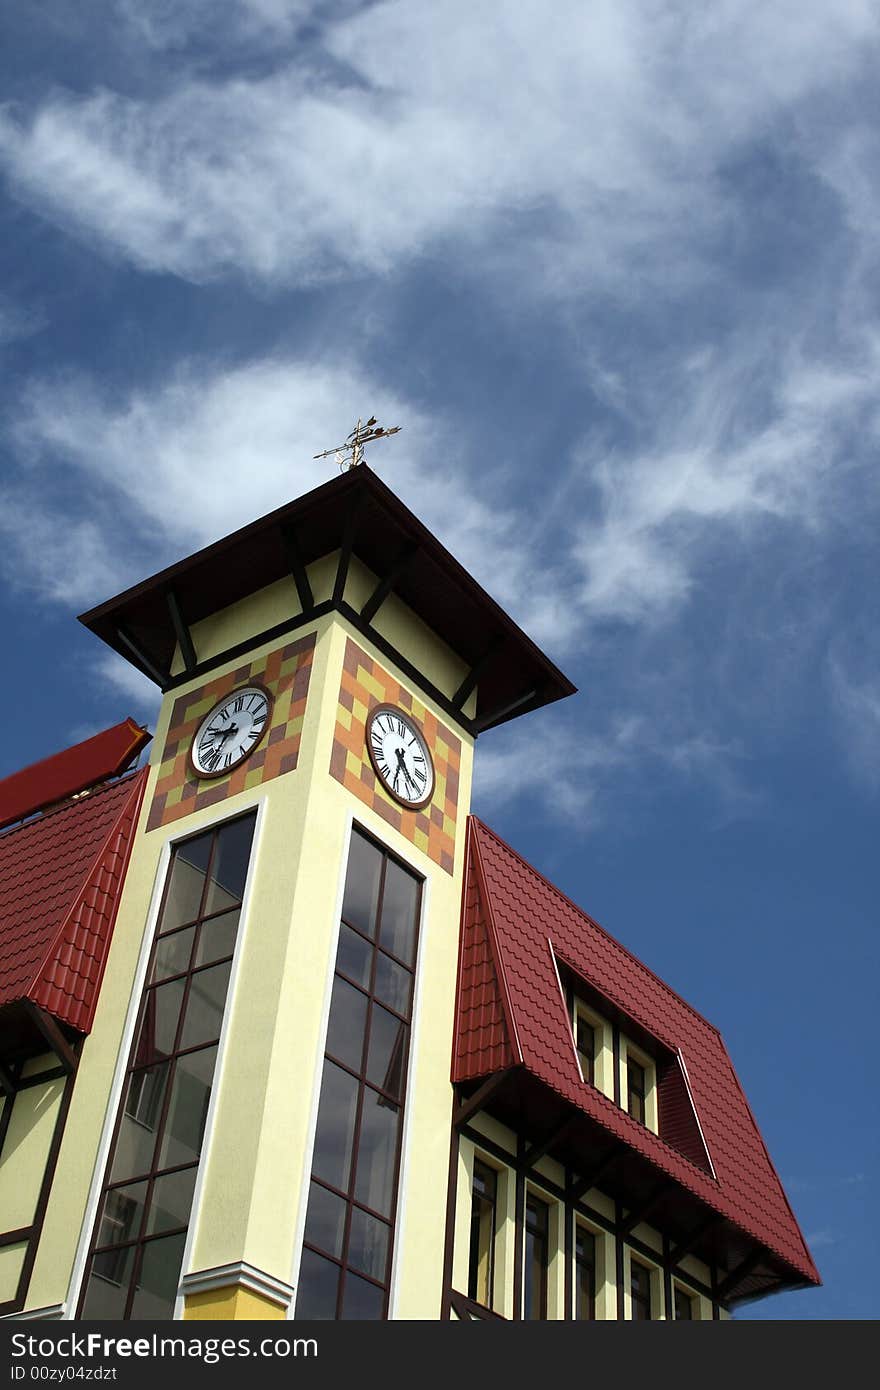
column 172, row 954
column 377, row 1153
column 159, row 1016
column 188, row 1108
column 187, row 880
column 386, row 1060
column 158, row 1279
column 217, row 937
column 121, row 1214
column 204, row 1007
column 318, row 1287
column 335, row 1132
column 171, row 1202
column 107, row 1288
column 368, row 1244
column 361, row 1300
column 362, row 885
column 348, row 1016
column 354, row 956
column 325, row 1221
column 229, row 869
column 137, row 1133
column 393, row 985
column 399, row 900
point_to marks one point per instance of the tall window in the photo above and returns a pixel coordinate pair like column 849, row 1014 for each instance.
column 584, row 1274
column 481, row 1268
column 137, row 1246
column 683, row 1304
column 640, row 1291
column 346, row 1262
column 536, row 1257
column 636, row 1089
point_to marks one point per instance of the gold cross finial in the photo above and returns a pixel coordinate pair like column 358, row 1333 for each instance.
column 351, row 453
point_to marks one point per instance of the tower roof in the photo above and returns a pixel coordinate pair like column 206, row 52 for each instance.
column 354, row 514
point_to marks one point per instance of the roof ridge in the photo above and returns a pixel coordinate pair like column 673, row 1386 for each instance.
column 69, row 804
column 481, row 825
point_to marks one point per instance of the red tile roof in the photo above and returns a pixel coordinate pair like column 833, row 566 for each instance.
column 511, row 1010
column 60, row 880
column 61, row 776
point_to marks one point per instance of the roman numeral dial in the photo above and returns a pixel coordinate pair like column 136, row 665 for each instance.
column 231, row 731
column 400, row 756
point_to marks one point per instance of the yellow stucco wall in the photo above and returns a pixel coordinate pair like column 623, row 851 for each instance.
column 233, row 1303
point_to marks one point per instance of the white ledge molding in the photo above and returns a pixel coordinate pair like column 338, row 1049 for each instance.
column 52, row 1313
column 242, row 1276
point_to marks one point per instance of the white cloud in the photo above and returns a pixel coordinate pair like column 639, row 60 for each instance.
column 143, row 695
column 856, row 702
column 611, row 124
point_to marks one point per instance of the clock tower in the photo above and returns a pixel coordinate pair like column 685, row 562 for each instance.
column 285, row 1032
column 264, row 1126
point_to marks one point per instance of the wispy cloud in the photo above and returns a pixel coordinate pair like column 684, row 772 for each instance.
column 407, row 124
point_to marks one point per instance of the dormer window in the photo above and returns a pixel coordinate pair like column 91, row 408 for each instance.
column 638, row 1084
column 594, row 1044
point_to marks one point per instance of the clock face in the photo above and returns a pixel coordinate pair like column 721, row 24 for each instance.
column 231, row 731
column 400, row 755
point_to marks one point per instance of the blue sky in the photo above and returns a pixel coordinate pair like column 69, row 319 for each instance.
column 614, row 269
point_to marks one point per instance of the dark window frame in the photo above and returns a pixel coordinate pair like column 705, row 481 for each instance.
column 641, row 1297
column 395, row 1100
column 536, row 1257
column 136, row 1068
column 482, row 1203
column 585, row 1270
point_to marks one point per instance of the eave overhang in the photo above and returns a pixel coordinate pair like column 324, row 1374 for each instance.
column 354, row 515
column 593, row 1156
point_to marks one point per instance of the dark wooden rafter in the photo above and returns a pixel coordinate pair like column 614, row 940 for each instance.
column 345, row 550
column 42, row 1077
column 639, row 1214
column 449, row 1237
column 141, row 659
column 534, row 1154
column 495, row 716
column 690, row 1243
column 388, row 582
column 466, row 1108
column 292, row 551
column 54, row 1037
column 742, row 1271
column 181, row 632
column 7, row 1085
column 581, row 1185
column 469, row 1311
column 476, row 673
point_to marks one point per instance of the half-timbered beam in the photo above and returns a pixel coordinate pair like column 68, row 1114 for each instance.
column 476, row 672
column 7, row 1085
column 54, row 1037
column 297, row 568
column 581, row 1185
column 389, row 581
column 638, row 1214
column 181, row 632
column 678, row 1252
column 345, row 550
column 538, row 1151
column 463, row 1112
column 742, row 1271
column 141, row 658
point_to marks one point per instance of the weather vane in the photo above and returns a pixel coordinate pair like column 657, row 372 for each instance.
column 351, row 453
